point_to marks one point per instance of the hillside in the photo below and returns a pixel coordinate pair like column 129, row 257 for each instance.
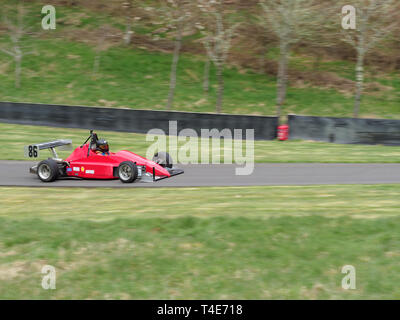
column 60, row 70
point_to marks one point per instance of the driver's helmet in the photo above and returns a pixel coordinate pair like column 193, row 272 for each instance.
column 102, row 146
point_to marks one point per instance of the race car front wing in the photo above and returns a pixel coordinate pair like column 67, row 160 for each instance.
column 172, row 172
column 148, row 177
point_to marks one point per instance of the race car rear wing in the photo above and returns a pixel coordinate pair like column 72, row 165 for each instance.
column 32, row 151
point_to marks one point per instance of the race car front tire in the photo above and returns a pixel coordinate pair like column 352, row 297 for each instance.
column 47, row 170
column 127, row 172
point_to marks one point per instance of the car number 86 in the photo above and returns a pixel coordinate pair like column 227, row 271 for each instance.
column 32, row 151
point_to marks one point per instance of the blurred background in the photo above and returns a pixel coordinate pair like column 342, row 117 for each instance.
column 245, row 57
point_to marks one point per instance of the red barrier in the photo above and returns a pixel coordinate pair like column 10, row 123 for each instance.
column 283, row 132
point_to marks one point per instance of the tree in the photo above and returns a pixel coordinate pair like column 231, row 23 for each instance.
column 289, row 20
column 176, row 16
column 206, row 76
column 217, row 42
column 16, row 33
column 201, row 21
column 373, row 21
column 130, row 7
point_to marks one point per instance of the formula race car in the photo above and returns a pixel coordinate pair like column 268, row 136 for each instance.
column 93, row 160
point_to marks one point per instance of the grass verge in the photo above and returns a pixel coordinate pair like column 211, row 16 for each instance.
column 242, row 243
column 15, row 137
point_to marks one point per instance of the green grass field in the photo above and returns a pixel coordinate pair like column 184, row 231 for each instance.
column 242, row 243
column 15, row 137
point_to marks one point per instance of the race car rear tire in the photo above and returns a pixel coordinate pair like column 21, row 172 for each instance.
column 127, row 172
column 163, row 159
column 48, row 170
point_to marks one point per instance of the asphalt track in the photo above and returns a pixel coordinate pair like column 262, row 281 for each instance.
column 16, row 173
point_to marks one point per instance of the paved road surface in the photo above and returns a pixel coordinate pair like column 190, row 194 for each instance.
column 16, row 173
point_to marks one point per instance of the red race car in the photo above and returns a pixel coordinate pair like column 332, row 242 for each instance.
column 93, row 160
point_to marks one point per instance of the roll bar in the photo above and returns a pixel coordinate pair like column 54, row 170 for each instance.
column 93, row 138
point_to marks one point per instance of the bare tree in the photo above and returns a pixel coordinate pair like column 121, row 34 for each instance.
column 177, row 14
column 130, row 7
column 206, row 76
column 288, row 20
column 373, row 23
column 201, row 21
column 217, row 42
column 16, row 33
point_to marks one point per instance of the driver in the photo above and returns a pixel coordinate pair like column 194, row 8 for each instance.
column 102, row 147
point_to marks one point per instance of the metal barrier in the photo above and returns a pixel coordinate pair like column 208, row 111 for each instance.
column 127, row 120
column 345, row 130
